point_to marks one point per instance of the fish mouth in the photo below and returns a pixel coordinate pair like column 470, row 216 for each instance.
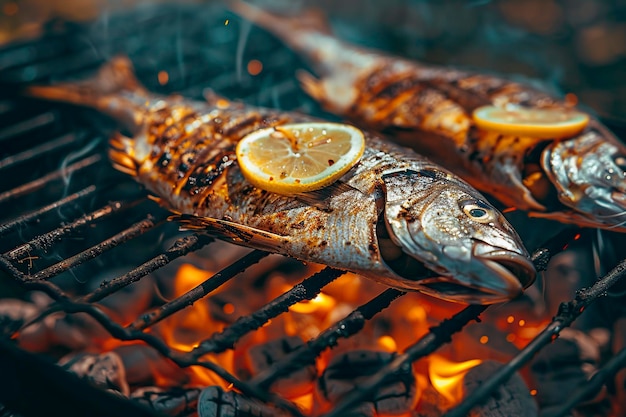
column 513, row 267
column 503, row 276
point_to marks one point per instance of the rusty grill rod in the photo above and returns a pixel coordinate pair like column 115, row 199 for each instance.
column 591, row 388
column 212, row 283
column 305, row 290
column 181, row 247
column 34, row 216
column 135, row 230
column 24, row 126
column 344, row 328
column 46, row 240
column 49, row 288
column 39, row 150
column 54, row 175
column 568, row 312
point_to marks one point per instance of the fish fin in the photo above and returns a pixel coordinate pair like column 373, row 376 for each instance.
column 311, row 85
column 232, row 232
column 161, row 202
column 213, row 98
column 286, row 27
column 120, row 150
column 320, row 198
column 115, row 76
column 217, row 100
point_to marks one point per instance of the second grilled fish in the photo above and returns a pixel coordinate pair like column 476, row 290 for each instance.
column 394, row 217
column 580, row 180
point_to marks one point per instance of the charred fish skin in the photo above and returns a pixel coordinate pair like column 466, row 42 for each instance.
column 429, row 109
column 395, row 217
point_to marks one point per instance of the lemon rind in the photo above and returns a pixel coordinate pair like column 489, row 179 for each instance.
column 555, row 130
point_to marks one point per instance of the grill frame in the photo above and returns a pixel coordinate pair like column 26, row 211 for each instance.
column 153, row 218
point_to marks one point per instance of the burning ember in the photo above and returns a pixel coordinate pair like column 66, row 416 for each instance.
column 97, row 281
column 447, row 377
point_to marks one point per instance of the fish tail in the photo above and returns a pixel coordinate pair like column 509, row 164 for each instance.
column 113, row 90
column 115, row 76
column 121, row 151
column 290, row 29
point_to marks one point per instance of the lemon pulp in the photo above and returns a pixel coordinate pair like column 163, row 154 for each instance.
column 539, row 123
column 299, row 157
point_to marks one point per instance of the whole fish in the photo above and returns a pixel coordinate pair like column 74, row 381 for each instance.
column 395, row 217
column 579, row 180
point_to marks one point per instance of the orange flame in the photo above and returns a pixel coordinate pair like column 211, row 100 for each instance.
column 447, row 376
column 185, row 329
column 321, row 303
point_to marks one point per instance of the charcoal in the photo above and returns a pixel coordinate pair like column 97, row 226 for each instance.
column 144, row 365
column 511, row 399
column 104, row 371
column 347, row 370
column 214, row 401
column 173, row 402
column 74, row 331
column 559, row 368
column 260, row 357
column 14, row 313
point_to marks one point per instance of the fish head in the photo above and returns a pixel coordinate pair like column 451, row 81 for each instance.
column 589, row 174
column 443, row 223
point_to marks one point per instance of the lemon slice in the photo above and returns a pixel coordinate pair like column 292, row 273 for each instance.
column 538, row 123
column 299, row 157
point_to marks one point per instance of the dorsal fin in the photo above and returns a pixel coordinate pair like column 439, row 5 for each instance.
column 233, row 232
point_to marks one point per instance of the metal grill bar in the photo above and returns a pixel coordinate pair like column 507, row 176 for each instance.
column 46, row 240
column 27, row 125
column 75, row 62
column 193, row 295
column 306, row 290
column 135, row 230
column 39, row 150
column 55, row 175
column 47, row 287
column 344, row 328
column 181, row 247
column 36, row 215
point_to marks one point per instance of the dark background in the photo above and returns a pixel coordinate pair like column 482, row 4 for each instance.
column 574, row 46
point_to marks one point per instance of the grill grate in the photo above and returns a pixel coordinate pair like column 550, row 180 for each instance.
column 82, row 211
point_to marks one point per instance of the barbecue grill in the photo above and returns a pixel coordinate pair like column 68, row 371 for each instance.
column 83, row 234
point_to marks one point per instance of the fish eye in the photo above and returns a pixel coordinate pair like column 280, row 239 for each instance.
column 477, row 211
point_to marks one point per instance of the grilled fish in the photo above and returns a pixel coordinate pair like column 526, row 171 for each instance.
column 579, row 180
column 395, row 217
